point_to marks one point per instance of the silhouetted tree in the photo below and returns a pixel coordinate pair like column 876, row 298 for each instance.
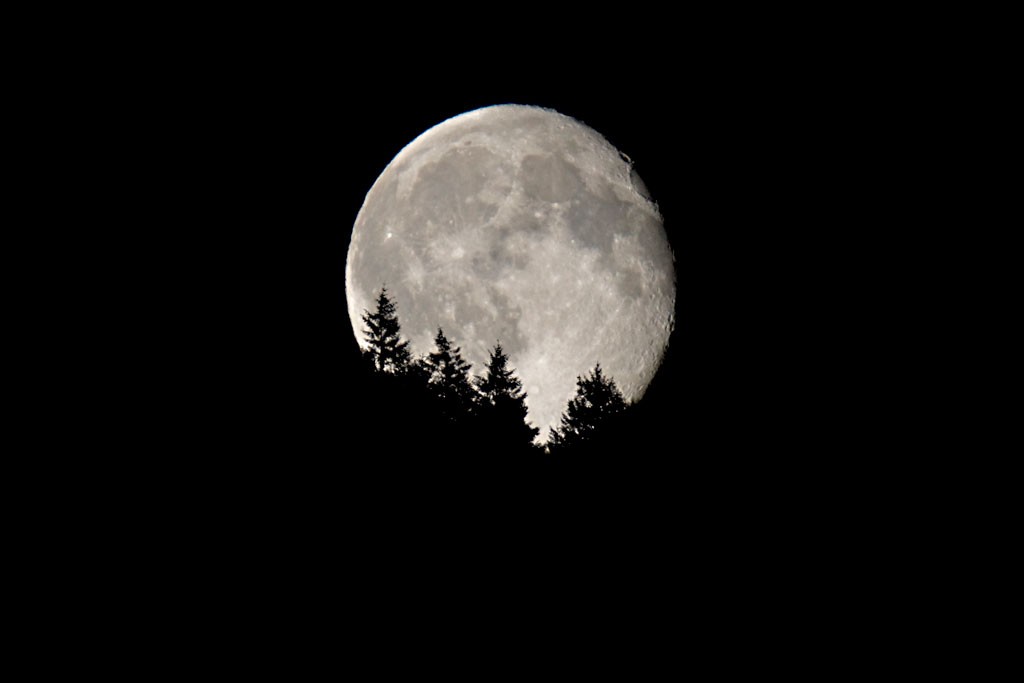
column 502, row 405
column 597, row 402
column 447, row 373
column 387, row 351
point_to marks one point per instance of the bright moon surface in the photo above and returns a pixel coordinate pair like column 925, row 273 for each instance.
column 520, row 225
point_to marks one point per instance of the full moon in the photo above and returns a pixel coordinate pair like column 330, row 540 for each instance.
column 520, row 225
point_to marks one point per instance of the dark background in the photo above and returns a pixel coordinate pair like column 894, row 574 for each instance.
column 281, row 151
column 241, row 434
column 252, row 157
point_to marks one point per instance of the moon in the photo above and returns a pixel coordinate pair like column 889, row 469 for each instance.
column 519, row 224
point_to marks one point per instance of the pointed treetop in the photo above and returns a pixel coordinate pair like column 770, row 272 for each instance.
column 502, row 402
column 500, row 379
column 597, row 400
column 447, row 373
column 441, row 340
column 385, row 346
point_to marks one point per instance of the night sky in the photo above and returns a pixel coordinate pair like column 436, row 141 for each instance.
column 246, row 481
column 310, row 178
column 289, row 152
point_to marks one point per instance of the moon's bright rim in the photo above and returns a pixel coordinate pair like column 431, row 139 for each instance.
column 519, row 224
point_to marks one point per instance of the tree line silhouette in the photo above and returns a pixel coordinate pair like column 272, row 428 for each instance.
column 439, row 403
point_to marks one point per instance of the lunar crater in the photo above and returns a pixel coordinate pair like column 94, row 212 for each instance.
column 638, row 184
column 549, row 177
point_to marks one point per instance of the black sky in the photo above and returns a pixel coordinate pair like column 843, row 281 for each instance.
column 244, row 147
column 279, row 150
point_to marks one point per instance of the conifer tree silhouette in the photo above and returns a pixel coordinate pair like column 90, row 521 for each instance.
column 597, row 401
column 447, row 373
column 502, row 404
column 387, row 351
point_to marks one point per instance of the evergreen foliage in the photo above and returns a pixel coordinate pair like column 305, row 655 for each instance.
column 597, row 401
column 503, row 403
column 387, row 351
column 476, row 416
column 447, row 374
